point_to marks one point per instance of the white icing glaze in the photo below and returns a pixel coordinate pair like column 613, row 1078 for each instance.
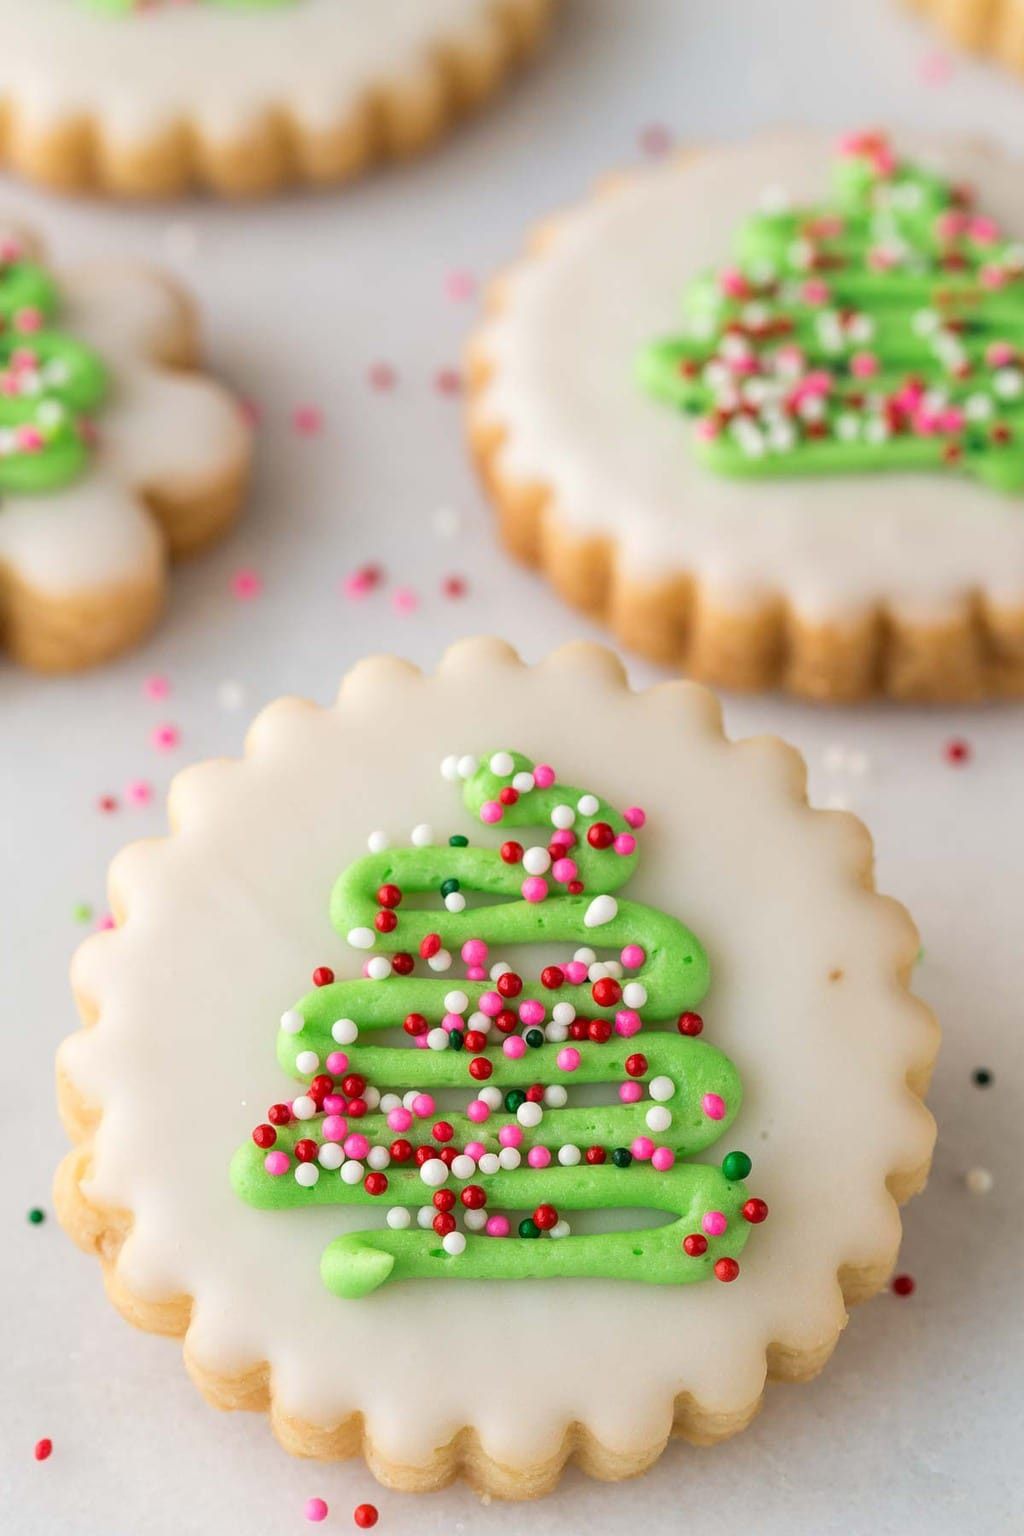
column 219, row 68
column 158, row 429
column 182, row 1059
column 564, row 349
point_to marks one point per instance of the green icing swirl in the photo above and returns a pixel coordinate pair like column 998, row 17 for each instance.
column 49, row 382
column 674, row 975
column 881, row 331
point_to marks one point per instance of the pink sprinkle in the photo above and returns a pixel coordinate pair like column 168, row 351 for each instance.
column 251, row 412
column 498, row 1226
column 307, row 420
column 630, row 1093
column 422, row 1105
column 534, row 888
column 276, row 1163
column 447, row 381
column 156, row 686
column 405, row 600
column 628, row 1023
column 564, row 870
column 510, row 1135
column 334, row 1104
column 864, row 365
column 460, row 285
column 28, row 320
column 362, row 581
column 382, row 377
column 814, row 291
column 733, row 284
column 491, row 1003
column 538, row 1157
column 337, row 1062
column 452, row 1021
column 633, row 957
column 568, row 1059
column 563, row 837
column 316, row 1510
column 476, row 973
column 936, row 68
column 139, row 792
column 29, row 438
column 474, row 951
column 514, row 1047
column 984, row 231
column 655, row 141
column 531, row 1012
column 491, row 812
column 453, row 586
column 544, row 776
column 713, row 1106
column 475, row 1149
column 356, row 1145
column 399, row 1119
column 105, row 923
column 165, row 737
column 575, row 973
column 663, row 1158
column 246, row 584
column 334, row 1128
column 477, row 1111
column 999, row 354
column 634, row 817
column 625, row 844
column 714, row 1223
column 642, row 1148
column 993, row 277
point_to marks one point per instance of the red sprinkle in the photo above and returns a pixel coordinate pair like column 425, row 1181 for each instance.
column 957, row 751
column 512, row 853
column 755, row 1211
column 695, row 1245
column 43, row 1450
column 365, row 1516
column 323, row 976
column 454, row 586
column 690, row 1024
column 903, row 1285
column 726, row 1269
column 430, row 946
column 636, row 1065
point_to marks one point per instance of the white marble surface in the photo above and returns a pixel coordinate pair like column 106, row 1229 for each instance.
column 914, row 1428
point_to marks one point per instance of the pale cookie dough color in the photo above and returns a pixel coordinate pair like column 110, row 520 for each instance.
column 115, row 454
column 846, row 514
column 243, row 96
column 488, row 1015
column 994, row 27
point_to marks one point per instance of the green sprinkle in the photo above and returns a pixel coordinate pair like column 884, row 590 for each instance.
column 37, row 1216
column 449, row 887
column 455, row 1040
column 458, row 841
column 534, row 1037
column 736, row 1165
column 513, row 1099
column 528, row 1227
column 81, row 912
column 622, row 1157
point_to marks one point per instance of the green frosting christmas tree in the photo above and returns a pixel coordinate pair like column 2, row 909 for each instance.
column 478, row 1191
column 880, row 331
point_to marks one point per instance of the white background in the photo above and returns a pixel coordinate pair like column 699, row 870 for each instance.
column 915, row 1426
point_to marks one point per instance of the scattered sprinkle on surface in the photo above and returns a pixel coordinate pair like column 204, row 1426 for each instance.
column 36, row 1216
column 957, row 751
column 982, row 1077
column 979, row 1181
column 655, row 141
column 365, row 1516
column 903, row 1285
column 43, row 1450
column 307, row 420
column 165, row 737
column 246, row 584
column 157, row 686
column 382, row 376
column 316, row 1509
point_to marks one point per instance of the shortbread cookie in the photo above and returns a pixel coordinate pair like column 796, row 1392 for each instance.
column 995, row 27
column 243, row 96
column 846, row 512
column 114, row 454
column 478, row 1012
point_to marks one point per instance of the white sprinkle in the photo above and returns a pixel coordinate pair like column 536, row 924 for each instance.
column 330, row 1155
column 446, row 522
column 425, row 1215
column 555, row 1097
column 978, row 407
column 489, row 1163
column 979, row 1181
column 479, row 1021
column 560, row 1229
column 292, row 1022
column 463, row 1166
column 556, row 1033
column 450, row 768
column 585, row 956
column 563, row 817
column 307, row 1174
column 467, row 766
column 379, row 968
column 455, row 1002
column 230, row 695
column 563, row 1013
column 613, row 968
column 661, row 1088
column 509, row 1158
column 307, row 1062
column 588, row 805
column 502, row 764
column 361, row 938
column 598, row 971
column 454, row 1243
column 388, row 1102
column 352, row 1172
column 500, row 968
column 408, row 1098
column 529, row 1114
column 491, row 1097
column 926, row 322
column 422, row 835
column 455, row 901
column 536, row 861
column 659, row 1118
column 345, row 1031
column 377, row 842
column 475, row 1220
column 441, row 961
column 569, row 1155
column 303, row 1108
column 634, row 994
column 437, row 1039
column 378, row 1159
column 1008, row 383
column 370, row 1096
column 523, row 782
column 399, row 1217
column 434, row 1173
column 603, row 909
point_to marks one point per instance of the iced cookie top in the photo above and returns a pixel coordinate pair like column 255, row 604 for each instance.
column 881, row 329
column 512, row 1053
